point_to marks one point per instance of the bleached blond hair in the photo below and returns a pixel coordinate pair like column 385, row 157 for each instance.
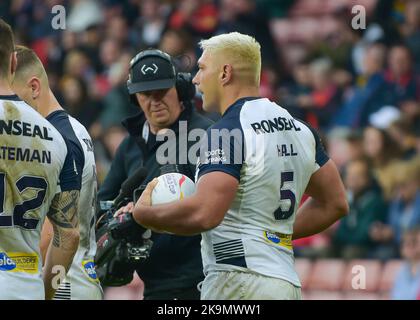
column 243, row 52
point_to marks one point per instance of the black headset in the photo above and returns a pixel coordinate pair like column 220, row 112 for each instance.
column 183, row 82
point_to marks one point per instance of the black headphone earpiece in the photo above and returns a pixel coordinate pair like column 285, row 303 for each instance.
column 184, row 86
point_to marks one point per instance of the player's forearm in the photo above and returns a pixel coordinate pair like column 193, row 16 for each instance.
column 181, row 217
column 314, row 217
column 59, row 258
column 64, row 218
column 46, row 236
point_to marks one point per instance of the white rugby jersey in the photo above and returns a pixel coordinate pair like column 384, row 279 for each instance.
column 273, row 157
column 82, row 272
column 32, row 157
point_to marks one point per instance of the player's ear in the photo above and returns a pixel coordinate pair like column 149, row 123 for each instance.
column 35, row 85
column 226, row 74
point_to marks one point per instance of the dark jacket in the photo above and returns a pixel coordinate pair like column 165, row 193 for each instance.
column 175, row 261
column 365, row 209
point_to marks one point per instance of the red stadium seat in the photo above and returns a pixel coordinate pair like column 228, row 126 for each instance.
column 388, row 275
column 322, row 295
column 354, row 272
column 303, row 268
column 359, row 295
column 327, row 275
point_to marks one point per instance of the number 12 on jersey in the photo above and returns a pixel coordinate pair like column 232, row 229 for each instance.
column 22, row 184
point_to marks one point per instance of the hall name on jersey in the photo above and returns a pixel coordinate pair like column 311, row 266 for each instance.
column 20, row 128
column 285, row 150
column 276, row 124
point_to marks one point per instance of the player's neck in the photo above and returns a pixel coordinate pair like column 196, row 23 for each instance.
column 48, row 104
column 235, row 93
column 5, row 89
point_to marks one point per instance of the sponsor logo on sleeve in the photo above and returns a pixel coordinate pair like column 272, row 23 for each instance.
column 89, row 267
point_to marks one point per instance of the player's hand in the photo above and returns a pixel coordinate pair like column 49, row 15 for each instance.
column 128, row 208
column 146, row 197
column 145, row 200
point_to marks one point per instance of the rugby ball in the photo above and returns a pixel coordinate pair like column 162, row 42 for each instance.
column 172, row 187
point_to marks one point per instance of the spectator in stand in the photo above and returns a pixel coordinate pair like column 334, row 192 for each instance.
column 199, row 17
column 404, row 210
column 246, row 17
column 400, row 77
column 322, row 102
column 407, row 282
column 116, row 105
column 410, row 30
column 352, row 239
column 299, row 86
column 77, row 101
column 117, row 30
column 179, row 44
column 401, row 130
column 109, row 54
column 149, row 25
column 369, row 94
column 355, row 147
column 383, row 153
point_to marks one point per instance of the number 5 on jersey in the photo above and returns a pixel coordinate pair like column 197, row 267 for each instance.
column 286, row 194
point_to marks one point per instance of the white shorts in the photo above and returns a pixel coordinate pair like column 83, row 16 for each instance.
column 21, row 286
column 234, row 285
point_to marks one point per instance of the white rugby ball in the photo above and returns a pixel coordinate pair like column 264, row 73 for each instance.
column 172, row 187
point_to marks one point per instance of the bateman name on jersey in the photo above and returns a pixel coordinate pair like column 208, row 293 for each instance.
column 24, row 154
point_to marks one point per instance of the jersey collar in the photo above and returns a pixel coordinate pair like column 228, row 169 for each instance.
column 12, row 97
column 239, row 102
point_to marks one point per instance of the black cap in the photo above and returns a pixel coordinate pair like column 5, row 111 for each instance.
column 151, row 70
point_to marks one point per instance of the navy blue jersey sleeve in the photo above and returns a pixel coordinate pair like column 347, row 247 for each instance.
column 321, row 156
column 71, row 175
column 222, row 149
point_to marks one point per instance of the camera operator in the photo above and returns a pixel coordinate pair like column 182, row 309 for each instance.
column 174, row 267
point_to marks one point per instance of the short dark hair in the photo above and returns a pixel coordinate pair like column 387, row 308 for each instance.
column 28, row 60
column 7, row 47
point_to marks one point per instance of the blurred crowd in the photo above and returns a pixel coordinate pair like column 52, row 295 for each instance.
column 360, row 87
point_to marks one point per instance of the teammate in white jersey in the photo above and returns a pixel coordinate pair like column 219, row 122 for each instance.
column 31, row 83
column 256, row 165
column 33, row 160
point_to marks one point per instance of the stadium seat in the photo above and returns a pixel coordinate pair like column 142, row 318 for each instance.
column 362, row 295
column 303, row 268
column 327, row 275
column 388, row 275
column 372, row 270
column 322, row 295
